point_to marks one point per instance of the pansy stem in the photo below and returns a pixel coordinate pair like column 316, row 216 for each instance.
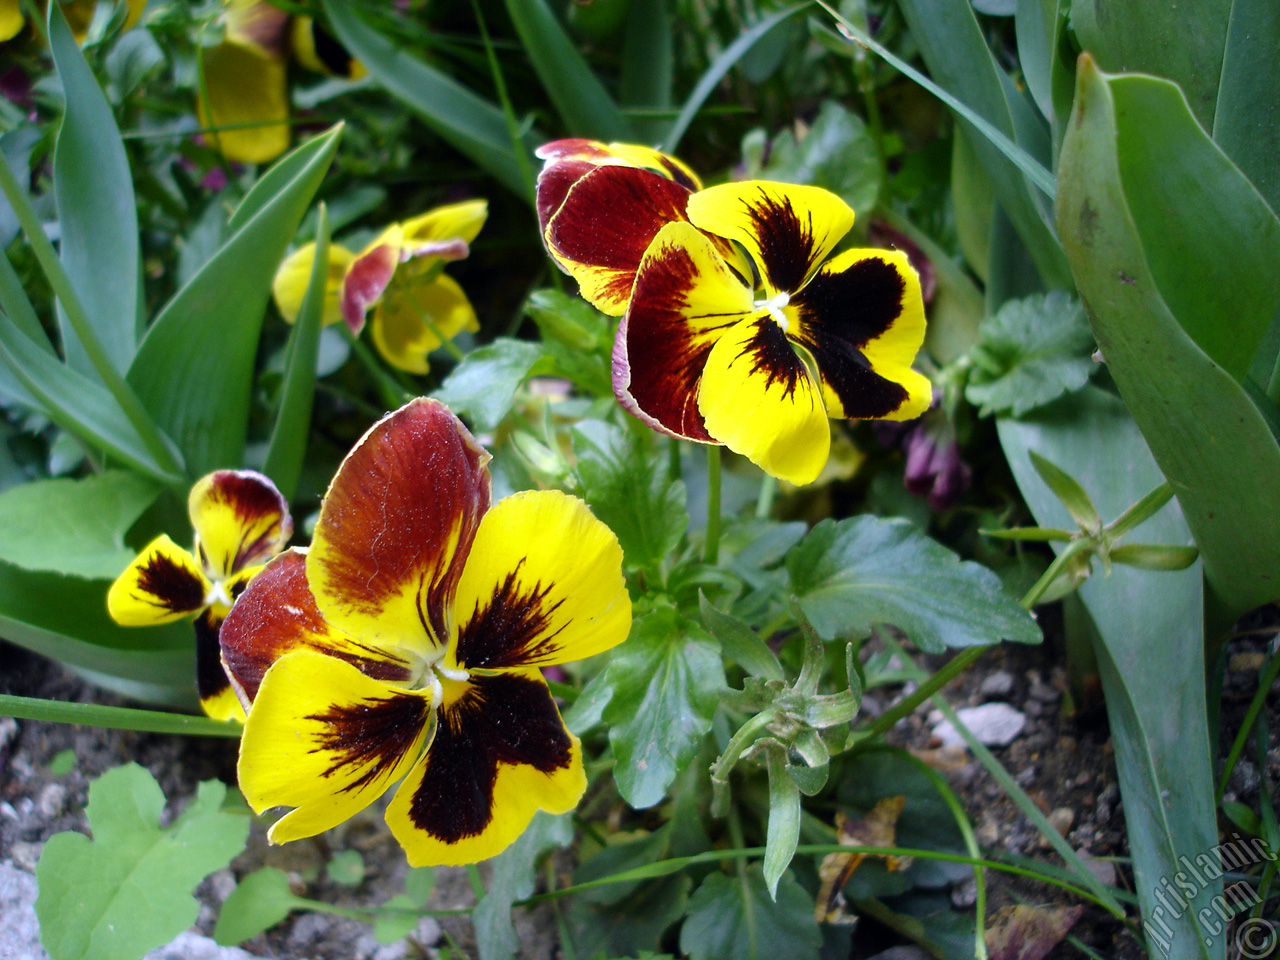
column 115, row 718
column 711, row 551
column 764, row 499
column 393, row 393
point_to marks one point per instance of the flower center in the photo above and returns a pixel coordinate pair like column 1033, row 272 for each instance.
column 774, row 305
column 218, row 594
column 433, row 677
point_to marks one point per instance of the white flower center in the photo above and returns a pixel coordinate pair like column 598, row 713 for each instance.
column 218, row 593
column 774, row 305
column 433, row 671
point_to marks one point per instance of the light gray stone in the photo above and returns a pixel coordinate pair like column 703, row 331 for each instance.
column 994, row 724
column 192, row 946
column 19, row 933
column 997, row 685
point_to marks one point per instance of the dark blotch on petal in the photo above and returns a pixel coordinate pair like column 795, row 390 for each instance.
column 511, row 631
column 786, row 242
column 375, row 734
column 211, row 679
column 771, row 353
column 172, row 585
column 254, row 500
column 502, row 719
column 841, row 313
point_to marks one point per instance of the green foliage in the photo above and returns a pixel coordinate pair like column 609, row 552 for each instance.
column 408, row 906
column 482, row 387
column 512, row 880
column 1030, row 352
column 128, row 889
column 664, row 684
column 74, row 526
column 258, row 903
column 735, row 918
column 851, row 575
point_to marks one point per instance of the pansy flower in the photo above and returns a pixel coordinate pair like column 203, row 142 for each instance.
column 79, row 14
column 399, row 275
column 759, row 360
column 405, row 645
column 241, row 521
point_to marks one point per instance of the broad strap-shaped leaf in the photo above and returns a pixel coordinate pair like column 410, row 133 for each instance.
column 65, row 618
column 666, row 682
column 1246, row 122
column 582, row 101
column 1031, row 351
column 1181, row 41
column 74, row 526
column 850, row 575
column 194, row 368
column 734, row 918
column 1162, row 748
column 1203, row 429
column 473, row 125
column 128, row 890
column 97, row 215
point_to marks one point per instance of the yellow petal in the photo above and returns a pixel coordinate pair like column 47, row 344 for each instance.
column 410, row 320
column 240, row 519
column 290, row 283
column 542, row 585
column 163, row 583
column 394, row 525
column 787, row 229
column 500, row 754
column 217, row 697
column 11, row 19
column 455, row 221
column 758, row 400
column 246, row 90
column 326, row 740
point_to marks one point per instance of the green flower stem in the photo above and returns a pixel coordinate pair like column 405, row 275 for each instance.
column 764, row 499
column 111, row 378
column 450, row 347
column 508, row 111
column 115, row 718
column 1255, row 707
column 711, row 548
column 907, row 705
column 743, row 738
column 1059, row 564
column 393, row 393
column 477, row 884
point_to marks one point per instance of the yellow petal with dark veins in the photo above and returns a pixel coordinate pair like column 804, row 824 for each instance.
column 240, row 520
column 163, row 583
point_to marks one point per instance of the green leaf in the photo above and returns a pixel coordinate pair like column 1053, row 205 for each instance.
column 734, row 918
column 850, row 575
column 512, row 879
column 1192, row 205
column 471, row 124
column 194, row 369
column 1029, row 353
column 648, row 64
column 258, row 903
column 783, row 832
column 345, row 868
column 65, row 618
column 1204, row 430
column 740, row 643
column 1246, row 122
column 1152, row 556
column 288, row 444
column 837, row 153
column 1159, row 715
column 577, row 336
column 717, row 70
column 629, row 492
column 76, row 403
column 390, row 927
column 1181, row 41
column 1068, row 490
column 74, row 526
column 666, row 682
column 580, row 98
column 97, row 215
column 483, row 385
column 129, row 889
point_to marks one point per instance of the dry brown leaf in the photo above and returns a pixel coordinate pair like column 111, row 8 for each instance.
column 877, row 829
column 1025, row 932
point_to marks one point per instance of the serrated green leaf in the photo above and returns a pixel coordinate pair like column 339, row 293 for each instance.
column 625, row 928
column 629, row 492
column 1029, row 353
column 194, row 369
column 483, row 385
column 73, row 526
column 577, row 336
column 736, row 919
column 97, row 215
column 512, row 879
column 837, row 153
column 740, row 643
column 852, row 574
column 128, row 890
column 258, row 903
column 666, row 682
column 473, row 125
column 1204, row 429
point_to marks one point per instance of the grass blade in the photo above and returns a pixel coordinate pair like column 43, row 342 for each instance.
column 115, row 718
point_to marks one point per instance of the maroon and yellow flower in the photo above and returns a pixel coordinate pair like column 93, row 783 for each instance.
column 405, row 645
column 241, row 521
column 760, row 360
column 416, row 307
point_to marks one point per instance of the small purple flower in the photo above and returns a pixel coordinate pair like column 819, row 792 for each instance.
column 934, row 468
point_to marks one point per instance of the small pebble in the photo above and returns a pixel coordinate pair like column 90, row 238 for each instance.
column 1043, row 692
column 52, row 799
column 1246, row 662
column 996, row 685
column 1103, row 870
column 965, row 893
column 1061, row 819
column 993, row 724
